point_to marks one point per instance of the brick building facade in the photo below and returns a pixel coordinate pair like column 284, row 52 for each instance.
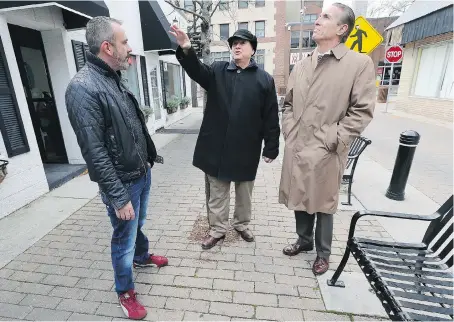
column 426, row 83
column 288, row 26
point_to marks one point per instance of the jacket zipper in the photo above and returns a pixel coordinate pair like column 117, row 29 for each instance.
column 134, row 138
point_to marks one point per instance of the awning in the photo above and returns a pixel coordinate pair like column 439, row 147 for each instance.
column 75, row 13
column 155, row 29
column 436, row 23
column 419, row 9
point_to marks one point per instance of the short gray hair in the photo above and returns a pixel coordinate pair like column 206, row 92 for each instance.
column 347, row 18
column 99, row 29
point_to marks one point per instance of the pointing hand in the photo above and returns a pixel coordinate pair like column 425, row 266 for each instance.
column 182, row 38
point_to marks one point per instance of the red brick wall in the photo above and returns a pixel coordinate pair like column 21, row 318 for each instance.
column 380, row 24
column 281, row 46
column 283, row 35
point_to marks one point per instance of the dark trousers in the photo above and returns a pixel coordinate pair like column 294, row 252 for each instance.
column 323, row 231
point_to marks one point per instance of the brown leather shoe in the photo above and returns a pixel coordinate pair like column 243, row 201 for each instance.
column 246, row 235
column 210, row 242
column 297, row 247
column 320, row 266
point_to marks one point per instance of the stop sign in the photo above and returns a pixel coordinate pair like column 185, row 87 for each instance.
column 394, row 54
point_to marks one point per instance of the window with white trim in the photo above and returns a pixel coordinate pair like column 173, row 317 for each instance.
column 309, row 18
column 188, row 4
column 224, row 5
column 221, row 56
column 224, row 31
column 243, row 4
column 260, row 58
column 260, row 29
column 259, row 3
column 434, row 74
column 308, row 42
column 243, row 25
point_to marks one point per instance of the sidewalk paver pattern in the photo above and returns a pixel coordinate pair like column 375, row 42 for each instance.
column 68, row 275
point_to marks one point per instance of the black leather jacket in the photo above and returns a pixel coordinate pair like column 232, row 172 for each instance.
column 96, row 102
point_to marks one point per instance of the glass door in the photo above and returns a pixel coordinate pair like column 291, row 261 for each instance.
column 31, row 60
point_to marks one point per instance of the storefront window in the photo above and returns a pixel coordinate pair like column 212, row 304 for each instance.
column 131, row 78
column 434, row 73
column 155, row 92
column 384, row 71
column 172, row 80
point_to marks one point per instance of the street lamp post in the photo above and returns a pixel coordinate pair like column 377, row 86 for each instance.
column 302, row 12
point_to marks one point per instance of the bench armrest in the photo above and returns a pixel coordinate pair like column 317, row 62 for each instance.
column 353, row 156
column 360, row 214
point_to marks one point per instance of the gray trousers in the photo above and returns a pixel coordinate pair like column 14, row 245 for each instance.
column 323, row 231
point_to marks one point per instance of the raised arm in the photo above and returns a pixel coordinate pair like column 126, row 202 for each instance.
column 201, row 73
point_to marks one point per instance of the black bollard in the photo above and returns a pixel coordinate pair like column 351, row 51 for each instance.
column 407, row 146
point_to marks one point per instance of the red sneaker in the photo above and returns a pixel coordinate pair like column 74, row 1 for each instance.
column 153, row 260
column 132, row 308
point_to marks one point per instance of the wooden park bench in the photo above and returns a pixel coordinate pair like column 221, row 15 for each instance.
column 412, row 281
column 357, row 147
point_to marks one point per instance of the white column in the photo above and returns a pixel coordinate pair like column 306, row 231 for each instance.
column 26, row 179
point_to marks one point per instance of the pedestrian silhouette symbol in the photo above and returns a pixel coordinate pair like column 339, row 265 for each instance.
column 359, row 39
column 363, row 38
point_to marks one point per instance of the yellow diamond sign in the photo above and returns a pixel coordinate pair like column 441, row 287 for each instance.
column 363, row 38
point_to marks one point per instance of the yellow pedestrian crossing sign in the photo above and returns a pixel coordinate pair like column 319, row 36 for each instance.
column 363, row 38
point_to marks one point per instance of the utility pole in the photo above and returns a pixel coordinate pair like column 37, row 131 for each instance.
column 302, row 12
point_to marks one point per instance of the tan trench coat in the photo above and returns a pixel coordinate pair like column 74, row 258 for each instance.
column 326, row 106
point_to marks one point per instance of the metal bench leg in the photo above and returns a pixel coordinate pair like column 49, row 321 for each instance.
column 334, row 280
column 349, row 194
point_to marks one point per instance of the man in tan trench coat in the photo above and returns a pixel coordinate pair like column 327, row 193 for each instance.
column 330, row 100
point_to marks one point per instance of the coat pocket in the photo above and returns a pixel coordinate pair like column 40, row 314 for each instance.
column 331, row 138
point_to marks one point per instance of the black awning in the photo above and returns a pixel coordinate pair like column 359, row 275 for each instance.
column 155, row 28
column 75, row 13
column 434, row 24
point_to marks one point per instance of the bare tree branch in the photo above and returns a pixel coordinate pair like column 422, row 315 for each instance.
column 195, row 14
column 390, row 7
column 215, row 8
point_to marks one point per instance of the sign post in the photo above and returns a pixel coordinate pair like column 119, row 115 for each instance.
column 393, row 55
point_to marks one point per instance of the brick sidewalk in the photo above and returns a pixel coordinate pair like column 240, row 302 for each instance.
column 67, row 275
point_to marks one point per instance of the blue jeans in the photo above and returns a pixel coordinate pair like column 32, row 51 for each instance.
column 129, row 243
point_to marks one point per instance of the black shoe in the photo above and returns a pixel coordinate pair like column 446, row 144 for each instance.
column 210, row 242
column 297, row 247
column 246, row 235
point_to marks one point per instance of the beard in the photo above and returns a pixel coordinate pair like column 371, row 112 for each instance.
column 121, row 62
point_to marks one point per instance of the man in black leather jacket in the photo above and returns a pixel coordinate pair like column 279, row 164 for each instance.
column 118, row 150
